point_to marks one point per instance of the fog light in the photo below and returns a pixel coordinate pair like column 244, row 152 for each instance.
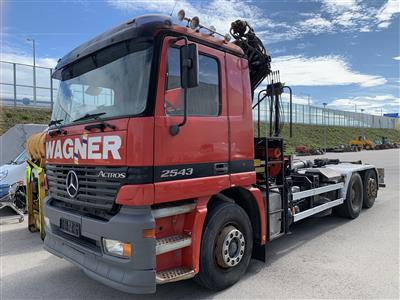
column 117, row 248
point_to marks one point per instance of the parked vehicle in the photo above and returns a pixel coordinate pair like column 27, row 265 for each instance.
column 154, row 172
column 384, row 143
column 14, row 171
column 361, row 143
column 12, row 185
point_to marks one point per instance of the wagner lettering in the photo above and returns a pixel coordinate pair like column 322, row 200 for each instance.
column 92, row 147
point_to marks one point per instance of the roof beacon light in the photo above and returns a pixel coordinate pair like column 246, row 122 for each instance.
column 212, row 30
column 227, row 38
column 194, row 24
column 181, row 15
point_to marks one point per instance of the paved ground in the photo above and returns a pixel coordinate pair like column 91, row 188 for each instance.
column 322, row 258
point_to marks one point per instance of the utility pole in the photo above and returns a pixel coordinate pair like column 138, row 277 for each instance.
column 355, row 115
column 309, row 109
column 325, row 129
column 34, row 67
column 362, row 122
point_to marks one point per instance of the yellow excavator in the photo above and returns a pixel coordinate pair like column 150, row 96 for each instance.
column 361, row 143
column 36, row 189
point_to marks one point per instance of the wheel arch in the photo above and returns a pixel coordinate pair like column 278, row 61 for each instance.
column 247, row 199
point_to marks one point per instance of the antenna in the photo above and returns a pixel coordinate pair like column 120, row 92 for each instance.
column 172, row 11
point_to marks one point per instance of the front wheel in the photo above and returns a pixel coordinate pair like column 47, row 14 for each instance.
column 226, row 246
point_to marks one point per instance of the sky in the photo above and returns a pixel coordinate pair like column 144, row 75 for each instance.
column 342, row 52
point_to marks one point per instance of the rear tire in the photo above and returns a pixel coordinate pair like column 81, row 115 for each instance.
column 351, row 207
column 226, row 246
column 370, row 190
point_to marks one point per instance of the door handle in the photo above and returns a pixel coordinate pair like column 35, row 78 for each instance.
column 221, row 168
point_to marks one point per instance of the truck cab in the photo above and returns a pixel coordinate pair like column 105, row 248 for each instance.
column 153, row 169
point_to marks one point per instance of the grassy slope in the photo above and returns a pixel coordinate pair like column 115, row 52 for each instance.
column 12, row 116
column 311, row 136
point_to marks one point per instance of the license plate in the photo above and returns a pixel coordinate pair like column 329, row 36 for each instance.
column 70, row 227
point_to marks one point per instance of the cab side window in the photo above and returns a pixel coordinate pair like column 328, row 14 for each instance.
column 203, row 100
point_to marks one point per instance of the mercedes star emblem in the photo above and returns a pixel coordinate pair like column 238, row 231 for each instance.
column 72, row 184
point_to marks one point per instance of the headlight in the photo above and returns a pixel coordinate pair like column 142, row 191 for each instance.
column 117, row 248
column 3, row 174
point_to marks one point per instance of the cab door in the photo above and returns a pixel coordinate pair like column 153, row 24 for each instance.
column 194, row 162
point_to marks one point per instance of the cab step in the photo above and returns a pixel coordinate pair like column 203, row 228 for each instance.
column 171, row 243
column 174, row 275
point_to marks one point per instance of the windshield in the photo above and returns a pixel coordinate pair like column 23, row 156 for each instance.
column 118, row 88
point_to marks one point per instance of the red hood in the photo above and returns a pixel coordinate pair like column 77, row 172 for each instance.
column 102, row 148
column 94, row 147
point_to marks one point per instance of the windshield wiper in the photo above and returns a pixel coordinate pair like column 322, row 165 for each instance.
column 89, row 116
column 55, row 122
column 57, row 125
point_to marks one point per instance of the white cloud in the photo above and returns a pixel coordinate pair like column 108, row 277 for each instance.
column 357, row 15
column 371, row 104
column 297, row 99
column 340, row 5
column 316, row 24
column 397, row 57
column 386, row 13
column 322, row 71
column 13, row 55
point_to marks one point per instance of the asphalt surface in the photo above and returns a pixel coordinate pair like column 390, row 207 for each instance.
column 325, row 257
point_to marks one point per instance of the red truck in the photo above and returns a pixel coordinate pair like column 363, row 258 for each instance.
column 154, row 172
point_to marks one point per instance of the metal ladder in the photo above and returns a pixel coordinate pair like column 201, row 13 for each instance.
column 172, row 243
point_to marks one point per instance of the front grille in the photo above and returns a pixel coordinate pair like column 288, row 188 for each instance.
column 96, row 196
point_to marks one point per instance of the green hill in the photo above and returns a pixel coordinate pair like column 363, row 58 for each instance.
column 313, row 136
column 10, row 116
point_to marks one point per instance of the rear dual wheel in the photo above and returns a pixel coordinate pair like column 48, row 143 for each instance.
column 370, row 190
column 226, row 246
column 351, row 207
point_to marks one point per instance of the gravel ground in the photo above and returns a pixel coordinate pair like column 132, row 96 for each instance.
column 325, row 257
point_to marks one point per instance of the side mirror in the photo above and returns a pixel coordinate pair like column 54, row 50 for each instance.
column 189, row 77
column 189, row 66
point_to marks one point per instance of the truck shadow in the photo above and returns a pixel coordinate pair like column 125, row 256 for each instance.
column 57, row 278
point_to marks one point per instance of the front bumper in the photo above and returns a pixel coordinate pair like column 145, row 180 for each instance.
column 133, row 275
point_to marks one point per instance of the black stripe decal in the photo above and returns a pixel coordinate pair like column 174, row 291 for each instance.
column 239, row 166
column 149, row 174
column 188, row 171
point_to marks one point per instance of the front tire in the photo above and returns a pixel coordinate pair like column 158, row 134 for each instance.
column 226, row 246
column 351, row 207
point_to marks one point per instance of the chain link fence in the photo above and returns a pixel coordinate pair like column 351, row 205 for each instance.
column 23, row 85
column 314, row 115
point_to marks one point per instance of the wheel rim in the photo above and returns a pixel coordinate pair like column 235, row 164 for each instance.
column 372, row 188
column 230, row 247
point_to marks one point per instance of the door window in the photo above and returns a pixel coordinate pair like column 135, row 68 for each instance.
column 203, row 100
